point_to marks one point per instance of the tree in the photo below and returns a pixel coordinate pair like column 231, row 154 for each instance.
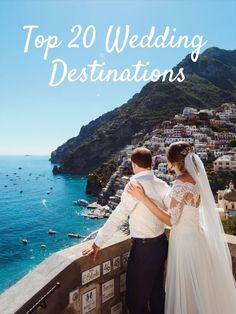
column 203, row 116
column 230, row 225
column 232, row 143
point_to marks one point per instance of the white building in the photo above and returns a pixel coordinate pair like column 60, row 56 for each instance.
column 202, row 154
column 218, row 153
column 168, row 131
column 189, row 111
column 227, row 199
column 179, row 130
column 170, row 140
column 162, row 167
column 190, row 129
column 225, row 163
column 199, row 136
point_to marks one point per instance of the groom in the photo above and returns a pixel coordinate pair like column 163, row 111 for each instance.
column 145, row 283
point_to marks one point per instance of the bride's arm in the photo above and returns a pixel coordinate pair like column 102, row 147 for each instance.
column 138, row 192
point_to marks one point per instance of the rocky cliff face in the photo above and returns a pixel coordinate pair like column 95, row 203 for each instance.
column 58, row 155
column 209, row 82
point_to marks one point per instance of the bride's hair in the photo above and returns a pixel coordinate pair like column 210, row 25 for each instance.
column 177, row 153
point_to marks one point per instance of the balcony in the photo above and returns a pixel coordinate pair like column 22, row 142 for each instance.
column 69, row 283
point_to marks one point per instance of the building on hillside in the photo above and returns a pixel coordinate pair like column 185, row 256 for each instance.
column 221, row 144
column 190, row 113
column 228, row 112
column 156, row 160
column 227, row 199
column 215, row 122
column 179, row 130
column 199, row 136
column 208, row 112
column 162, row 168
column 170, row 140
column 224, row 135
column 179, row 118
column 202, row 153
column 166, row 124
column 190, row 129
column 225, row 163
column 218, row 153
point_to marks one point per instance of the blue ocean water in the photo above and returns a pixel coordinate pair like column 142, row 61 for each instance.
column 30, row 213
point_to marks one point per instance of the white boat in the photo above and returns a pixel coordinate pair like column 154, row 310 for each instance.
column 25, row 241
column 94, row 205
column 81, row 202
column 50, row 231
column 89, row 215
column 74, row 235
column 94, row 215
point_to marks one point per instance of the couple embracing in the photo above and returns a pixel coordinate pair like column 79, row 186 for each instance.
column 199, row 277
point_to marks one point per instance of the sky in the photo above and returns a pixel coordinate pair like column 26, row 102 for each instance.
column 36, row 118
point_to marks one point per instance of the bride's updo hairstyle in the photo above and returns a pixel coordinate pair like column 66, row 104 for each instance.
column 177, row 153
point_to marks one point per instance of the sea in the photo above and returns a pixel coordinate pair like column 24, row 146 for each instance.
column 32, row 201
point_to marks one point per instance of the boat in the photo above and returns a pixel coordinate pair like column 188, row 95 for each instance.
column 43, row 246
column 50, row 231
column 81, row 202
column 94, row 215
column 74, row 235
column 25, row 241
column 89, row 215
column 94, row 205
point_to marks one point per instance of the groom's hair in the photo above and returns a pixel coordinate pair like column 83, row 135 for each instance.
column 142, row 157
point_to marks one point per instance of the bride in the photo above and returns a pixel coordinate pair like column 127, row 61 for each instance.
column 199, row 270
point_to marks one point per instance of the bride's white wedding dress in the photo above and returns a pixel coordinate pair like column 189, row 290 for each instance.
column 199, row 277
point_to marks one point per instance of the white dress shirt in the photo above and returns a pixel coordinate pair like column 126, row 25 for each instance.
column 142, row 222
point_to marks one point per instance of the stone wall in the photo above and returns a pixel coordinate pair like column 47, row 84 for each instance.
column 86, row 286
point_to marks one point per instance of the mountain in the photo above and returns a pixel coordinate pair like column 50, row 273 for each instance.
column 209, row 82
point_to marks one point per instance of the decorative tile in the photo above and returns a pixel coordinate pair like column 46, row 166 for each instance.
column 117, row 309
column 106, row 267
column 91, row 274
column 116, row 262
column 73, row 296
column 108, row 289
column 89, row 301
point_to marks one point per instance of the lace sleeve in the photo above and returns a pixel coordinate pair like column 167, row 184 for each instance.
column 181, row 194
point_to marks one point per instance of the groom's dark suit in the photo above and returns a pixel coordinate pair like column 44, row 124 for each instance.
column 149, row 250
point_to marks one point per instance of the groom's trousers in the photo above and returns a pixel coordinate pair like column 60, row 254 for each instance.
column 145, row 275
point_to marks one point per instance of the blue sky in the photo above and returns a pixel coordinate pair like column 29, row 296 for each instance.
column 36, row 118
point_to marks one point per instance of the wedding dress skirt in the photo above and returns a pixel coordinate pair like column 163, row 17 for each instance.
column 198, row 281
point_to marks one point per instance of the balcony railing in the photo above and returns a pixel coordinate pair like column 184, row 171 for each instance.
column 86, row 286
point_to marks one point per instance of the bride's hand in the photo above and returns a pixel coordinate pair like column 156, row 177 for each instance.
column 136, row 190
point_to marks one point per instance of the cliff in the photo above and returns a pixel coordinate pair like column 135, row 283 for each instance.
column 209, row 82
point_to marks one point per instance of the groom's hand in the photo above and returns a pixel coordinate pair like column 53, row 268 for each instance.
column 92, row 251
